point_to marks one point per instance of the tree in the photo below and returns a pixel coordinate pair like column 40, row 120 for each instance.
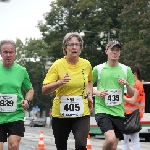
column 77, row 15
column 135, row 34
column 33, row 56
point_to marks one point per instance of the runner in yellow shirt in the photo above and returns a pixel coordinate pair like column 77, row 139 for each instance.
column 71, row 78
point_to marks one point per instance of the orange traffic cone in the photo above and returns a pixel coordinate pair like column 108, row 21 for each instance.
column 89, row 146
column 41, row 145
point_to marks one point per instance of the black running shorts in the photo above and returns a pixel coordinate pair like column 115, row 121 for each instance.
column 11, row 128
column 108, row 122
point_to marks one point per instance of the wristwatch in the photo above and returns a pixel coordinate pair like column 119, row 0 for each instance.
column 28, row 101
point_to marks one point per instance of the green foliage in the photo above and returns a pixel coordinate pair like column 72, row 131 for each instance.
column 77, row 15
column 33, row 55
column 126, row 21
column 135, row 34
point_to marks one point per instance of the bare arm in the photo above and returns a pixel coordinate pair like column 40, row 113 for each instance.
column 95, row 92
column 49, row 88
column 90, row 88
column 28, row 97
column 133, row 99
column 130, row 89
column 101, row 93
column 29, row 94
column 90, row 94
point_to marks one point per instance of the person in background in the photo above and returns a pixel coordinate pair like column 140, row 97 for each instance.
column 133, row 103
column 109, row 103
column 35, row 116
column 71, row 78
column 13, row 79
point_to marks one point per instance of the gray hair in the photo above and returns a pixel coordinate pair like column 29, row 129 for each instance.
column 67, row 37
column 7, row 42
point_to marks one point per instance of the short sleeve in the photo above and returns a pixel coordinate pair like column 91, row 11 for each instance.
column 26, row 82
column 130, row 77
column 95, row 74
column 52, row 75
column 90, row 76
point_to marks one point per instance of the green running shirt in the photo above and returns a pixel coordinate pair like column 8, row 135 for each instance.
column 109, row 80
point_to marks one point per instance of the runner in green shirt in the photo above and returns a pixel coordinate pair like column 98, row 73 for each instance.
column 111, row 77
column 13, row 79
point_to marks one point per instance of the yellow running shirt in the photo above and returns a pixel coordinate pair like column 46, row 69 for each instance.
column 80, row 75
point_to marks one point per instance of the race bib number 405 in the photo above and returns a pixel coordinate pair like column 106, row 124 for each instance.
column 71, row 106
column 114, row 97
column 8, row 102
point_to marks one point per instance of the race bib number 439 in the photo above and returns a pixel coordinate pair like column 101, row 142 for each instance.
column 114, row 97
column 8, row 102
column 71, row 106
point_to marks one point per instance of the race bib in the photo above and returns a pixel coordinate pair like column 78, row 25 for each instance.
column 71, row 106
column 114, row 97
column 8, row 102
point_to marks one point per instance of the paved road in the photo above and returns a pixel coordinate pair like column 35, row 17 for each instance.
column 31, row 140
column 21, row 147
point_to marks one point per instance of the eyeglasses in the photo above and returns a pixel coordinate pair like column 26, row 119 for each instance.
column 8, row 52
column 74, row 44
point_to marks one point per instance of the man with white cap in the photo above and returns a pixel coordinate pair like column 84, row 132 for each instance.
column 111, row 77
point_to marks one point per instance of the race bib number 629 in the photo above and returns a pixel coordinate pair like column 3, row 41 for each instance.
column 8, row 102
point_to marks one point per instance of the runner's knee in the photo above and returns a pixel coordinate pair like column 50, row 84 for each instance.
column 13, row 146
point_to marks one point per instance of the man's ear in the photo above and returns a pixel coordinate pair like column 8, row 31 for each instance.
column 106, row 51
